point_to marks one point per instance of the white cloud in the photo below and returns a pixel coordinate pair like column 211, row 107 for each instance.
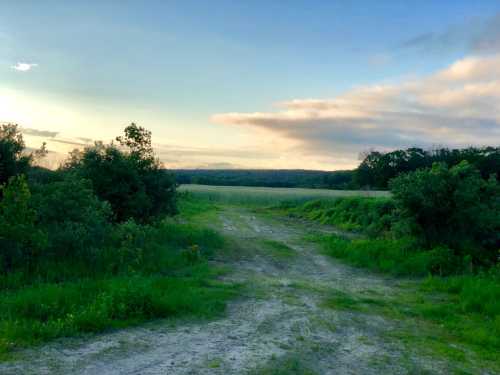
column 457, row 106
column 24, row 67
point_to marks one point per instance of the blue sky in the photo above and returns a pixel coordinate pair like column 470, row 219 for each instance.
column 205, row 77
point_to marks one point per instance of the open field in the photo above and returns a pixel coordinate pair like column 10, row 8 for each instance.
column 265, row 195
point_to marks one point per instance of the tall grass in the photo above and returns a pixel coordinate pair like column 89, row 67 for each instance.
column 145, row 272
column 268, row 196
column 395, row 257
column 473, row 310
column 371, row 215
column 46, row 311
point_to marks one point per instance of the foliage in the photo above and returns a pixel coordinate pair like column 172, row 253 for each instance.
column 75, row 220
column 369, row 215
column 21, row 242
column 46, row 311
column 13, row 160
column 76, row 253
column 132, row 181
column 454, row 206
column 478, row 294
column 397, row 257
column 378, row 168
column 284, row 178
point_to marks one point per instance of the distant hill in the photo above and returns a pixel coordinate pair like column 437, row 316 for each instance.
column 266, row 177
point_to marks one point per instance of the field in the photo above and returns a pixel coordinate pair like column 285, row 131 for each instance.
column 268, row 196
column 255, row 280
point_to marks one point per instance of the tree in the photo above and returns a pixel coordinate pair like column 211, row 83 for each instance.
column 130, row 178
column 377, row 168
column 454, row 206
column 75, row 220
column 13, row 158
column 21, row 242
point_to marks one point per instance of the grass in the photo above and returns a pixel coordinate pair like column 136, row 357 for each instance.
column 368, row 214
column 278, row 250
column 146, row 272
column 468, row 306
column 256, row 196
column 429, row 321
column 43, row 312
column 395, row 257
column 288, row 365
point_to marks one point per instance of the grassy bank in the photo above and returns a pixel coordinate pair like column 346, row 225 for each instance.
column 370, row 215
column 43, row 312
column 451, row 301
column 147, row 272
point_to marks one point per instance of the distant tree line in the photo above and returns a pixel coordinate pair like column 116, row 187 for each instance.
column 374, row 172
column 378, row 168
column 268, row 178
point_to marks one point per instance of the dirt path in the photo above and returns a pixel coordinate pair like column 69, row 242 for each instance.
column 282, row 316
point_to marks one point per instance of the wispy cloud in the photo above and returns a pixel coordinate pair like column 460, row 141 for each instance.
column 473, row 36
column 39, row 133
column 457, row 106
column 24, row 67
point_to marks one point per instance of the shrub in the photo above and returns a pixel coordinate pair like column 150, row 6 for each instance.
column 454, row 207
column 75, row 220
column 129, row 178
column 21, row 242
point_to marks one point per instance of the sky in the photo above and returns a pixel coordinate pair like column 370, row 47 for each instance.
column 252, row 84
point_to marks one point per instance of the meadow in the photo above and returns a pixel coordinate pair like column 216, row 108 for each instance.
column 270, row 196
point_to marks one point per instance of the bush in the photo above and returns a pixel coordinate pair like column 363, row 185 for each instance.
column 132, row 181
column 74, row 219
column 454, row 207
column 21, row 242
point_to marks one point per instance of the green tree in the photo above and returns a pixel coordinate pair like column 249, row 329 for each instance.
column 13, row 157
column 129, row 177
column 75, row 220
column 451, row 206
column 21, row 242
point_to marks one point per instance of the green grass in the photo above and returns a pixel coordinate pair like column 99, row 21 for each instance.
column 430, row 321
column 468, row 305
column 145, row 272
column 289, row 365
column 368, row 214
column 47, row 311
column 256, row 196
column 278, row 250
column 396, row 257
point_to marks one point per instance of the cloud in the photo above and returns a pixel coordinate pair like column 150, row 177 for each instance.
column 24, row 67
column 474, row 36
column 39, row 133
column 457, row 106
column 71, row 142
column 217, row 165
